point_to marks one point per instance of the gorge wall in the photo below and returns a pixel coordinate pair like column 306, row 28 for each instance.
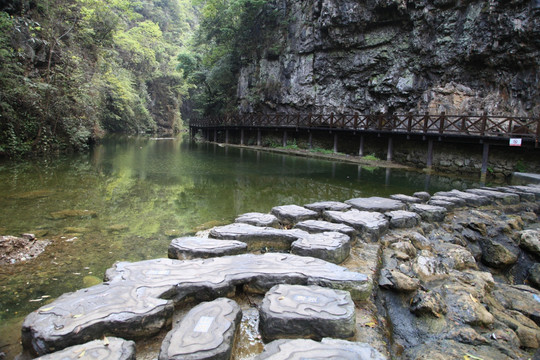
column 457, row 56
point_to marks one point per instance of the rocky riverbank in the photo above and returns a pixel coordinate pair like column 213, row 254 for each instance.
column 453, row 275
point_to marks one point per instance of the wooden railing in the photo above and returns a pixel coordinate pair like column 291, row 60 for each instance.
column 442, row 124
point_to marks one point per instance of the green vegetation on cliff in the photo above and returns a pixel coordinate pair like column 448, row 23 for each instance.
column 71, row 70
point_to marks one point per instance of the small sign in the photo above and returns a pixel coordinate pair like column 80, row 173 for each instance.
column 204, row 323
column 515, row 142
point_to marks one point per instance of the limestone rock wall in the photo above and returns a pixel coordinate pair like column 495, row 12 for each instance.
column 457, row 56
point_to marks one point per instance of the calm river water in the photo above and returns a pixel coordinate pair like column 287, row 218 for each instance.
column 128, row 197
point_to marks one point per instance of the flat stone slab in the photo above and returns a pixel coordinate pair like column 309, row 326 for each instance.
column 206, row 332
column 529, row 189
column 429, row 212
column 423, row 195
column 406, row 198
column 459, row 202
column 258, row 219
column 292, row 214
column 469, row 198
column 137, row 299
column 402, row 219
column 322, row 206
column 504, row 198
column 334, row 247
column 257, row 237
column 326, row 349
column 319, row 226
column 110, row 348
column 186, row 248
column 523, row 195
column 443, row 203
column 376, row 203
column 370, row 225
column 293, row 311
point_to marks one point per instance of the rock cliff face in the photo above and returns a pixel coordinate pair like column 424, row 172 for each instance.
column 456, row 56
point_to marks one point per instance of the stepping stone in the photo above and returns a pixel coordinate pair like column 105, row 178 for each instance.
column 528, row 189
column 424, row 195
column 370, row 225
column 292, row 214
column 319, row 226
column 194, row 247
column 333, row 247
column 523, row 195
column 402, row 219
column 131, row 303
column 326, row 349
column 110, row 348
column 429, row 212
column 459, row 202
column 469, row 198
column 442, row 203
column 406, row 198
column 206, row 332
column 320, row 207
column 258, row 219
column 257, row 237
column 293, row 311
column 504, row 198
column 376, row 204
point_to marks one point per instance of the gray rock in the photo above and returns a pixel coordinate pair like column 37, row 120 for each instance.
column 258, row 219
column 333, row 247
column 504, row 198
column 110, row 348
column 327, row 349
column 431, row 303
column 194, row 247
column 395, row 279
column 420, row 241
column 522, row 298
column 292, row 214
column 406, row 198
column 459, row 202
column 376, row 204
column 523, row 195
column 422, row 195
column 442, row 203
column 129, row 304
column 534, row 275
column 319, row 226
column 429, row 213
column 293, row 311
column 370, row 225
column 320, row 207
column 530, row 240
column 528, row 189
column 257, row 237
column 497, row 255
column 469, row 198
column 206, row 332
column 402, row 219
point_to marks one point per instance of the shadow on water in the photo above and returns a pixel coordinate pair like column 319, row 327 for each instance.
column 129, row 196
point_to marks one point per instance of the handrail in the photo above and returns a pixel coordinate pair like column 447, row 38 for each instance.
column 441, row 124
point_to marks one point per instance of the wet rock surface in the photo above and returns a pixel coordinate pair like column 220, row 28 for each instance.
column 110, row 348
column 194, row 247
column 258, row 219
column 369, row 225
column 292, row 214
column 318, row 226
column 333, row 247
column 376, row 203
column 206, row 332
column 320, row 207
column 402, row 219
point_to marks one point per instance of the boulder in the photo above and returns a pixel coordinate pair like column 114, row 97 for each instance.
column 319, row 226
column 428, row 302
column 530, row 240
column 322, row 206
column 258, row 219
column 333, row 247
column 496, row 254
column 429, row 212
column 422, row 195
column 206, row 332
column 370, row 225
column 376, row 203
column 109, row 348
column 292, row 214
column 395, row 279
column 295, row 311
column 194, row 247
column 402, row 219
column 327, row 348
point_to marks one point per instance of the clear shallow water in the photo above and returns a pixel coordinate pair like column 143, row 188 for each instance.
column 127, row 199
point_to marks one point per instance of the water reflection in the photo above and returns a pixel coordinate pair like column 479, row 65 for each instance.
column 146, row 191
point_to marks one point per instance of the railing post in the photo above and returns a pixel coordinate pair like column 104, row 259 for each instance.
column 441, row 122
column 484, row 121
column 309, row 120
column 331, row 120
column 409, row 122
column 355, row 121
column 426, row 122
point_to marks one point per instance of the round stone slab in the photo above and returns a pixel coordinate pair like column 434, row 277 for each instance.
column 329, row 246
column 321, row 206
column 194, row 247
column 319, row 226
column 110, row 348
column 402, row 219
column 206, row 332
column 370, row 225
column 258, row 219
column 376, row 203
column 303, row 349
column 290, row 311
column 292, row 214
